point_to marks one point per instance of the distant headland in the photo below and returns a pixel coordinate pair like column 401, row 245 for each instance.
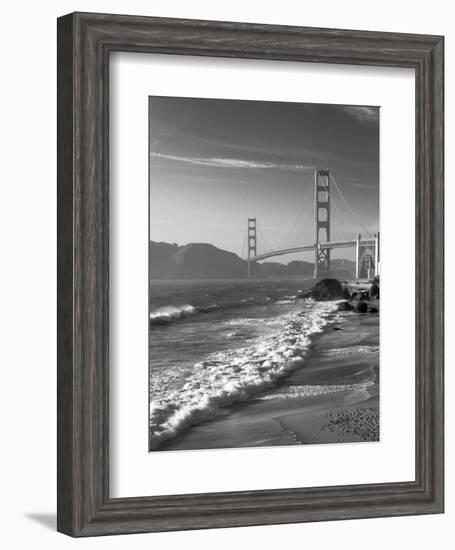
column 206, row 261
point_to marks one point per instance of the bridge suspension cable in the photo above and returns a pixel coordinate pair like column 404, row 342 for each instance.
column 354, row 216
column 262, row 244
column 300, row 221
column 333, row 202
column 243, row 253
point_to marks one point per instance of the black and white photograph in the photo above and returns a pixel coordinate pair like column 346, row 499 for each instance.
column 224, row 312
column 264, row 270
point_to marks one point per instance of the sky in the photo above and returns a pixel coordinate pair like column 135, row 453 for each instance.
column 214, row 163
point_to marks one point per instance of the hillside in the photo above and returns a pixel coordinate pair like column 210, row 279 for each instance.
column 205, row 261
column 194, row 261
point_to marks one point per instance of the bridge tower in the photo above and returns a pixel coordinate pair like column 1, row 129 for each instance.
column 367, row 263
column 252, row 246
column 321, row 222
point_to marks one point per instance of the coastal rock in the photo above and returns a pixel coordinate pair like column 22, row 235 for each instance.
column 374, row 291
column 346, row 293
column 345, row 306
column 361, row 307
column 362, row 295
column 325, row 289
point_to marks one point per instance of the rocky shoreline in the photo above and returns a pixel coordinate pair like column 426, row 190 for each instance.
column 343, row 361
column 357, row 296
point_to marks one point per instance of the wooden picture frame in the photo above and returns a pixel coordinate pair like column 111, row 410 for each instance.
column 84, row 44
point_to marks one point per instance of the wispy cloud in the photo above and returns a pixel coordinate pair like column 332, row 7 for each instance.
column 231, row 163
column 368, row 115
column 363, row 185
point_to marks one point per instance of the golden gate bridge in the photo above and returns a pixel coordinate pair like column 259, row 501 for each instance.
column 327, row 198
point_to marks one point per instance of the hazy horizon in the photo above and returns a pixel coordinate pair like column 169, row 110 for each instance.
column 214, row 163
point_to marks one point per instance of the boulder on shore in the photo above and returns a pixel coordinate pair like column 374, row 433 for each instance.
column 361, row 307
column 374, row 292
column 325, row 289
column 345, row 306
column 362, row 295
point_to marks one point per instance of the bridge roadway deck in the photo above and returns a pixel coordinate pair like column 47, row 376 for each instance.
column 309, row 247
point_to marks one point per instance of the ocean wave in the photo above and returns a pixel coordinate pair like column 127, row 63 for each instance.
column 207, row 309
column 244, row 321
column 168, row 314
column 231, row 376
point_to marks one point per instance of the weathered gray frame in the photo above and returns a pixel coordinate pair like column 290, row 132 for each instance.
column 84, row 44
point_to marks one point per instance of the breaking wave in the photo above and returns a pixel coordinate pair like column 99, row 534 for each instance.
column 232, row 376
column 168, row 314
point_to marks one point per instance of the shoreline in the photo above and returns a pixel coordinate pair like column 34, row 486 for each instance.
column 332, row 398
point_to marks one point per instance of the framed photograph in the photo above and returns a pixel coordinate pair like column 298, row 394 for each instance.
column 261, row 376
column 250, row 274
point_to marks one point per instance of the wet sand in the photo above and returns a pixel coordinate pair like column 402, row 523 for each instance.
column 333, row 397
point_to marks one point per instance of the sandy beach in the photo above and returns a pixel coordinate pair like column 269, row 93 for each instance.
column 332, row 397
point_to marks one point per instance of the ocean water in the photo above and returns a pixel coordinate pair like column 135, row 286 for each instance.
column 216, row 343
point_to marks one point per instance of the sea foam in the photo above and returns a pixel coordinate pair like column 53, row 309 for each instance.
column 312, row 390
column 231, row 376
